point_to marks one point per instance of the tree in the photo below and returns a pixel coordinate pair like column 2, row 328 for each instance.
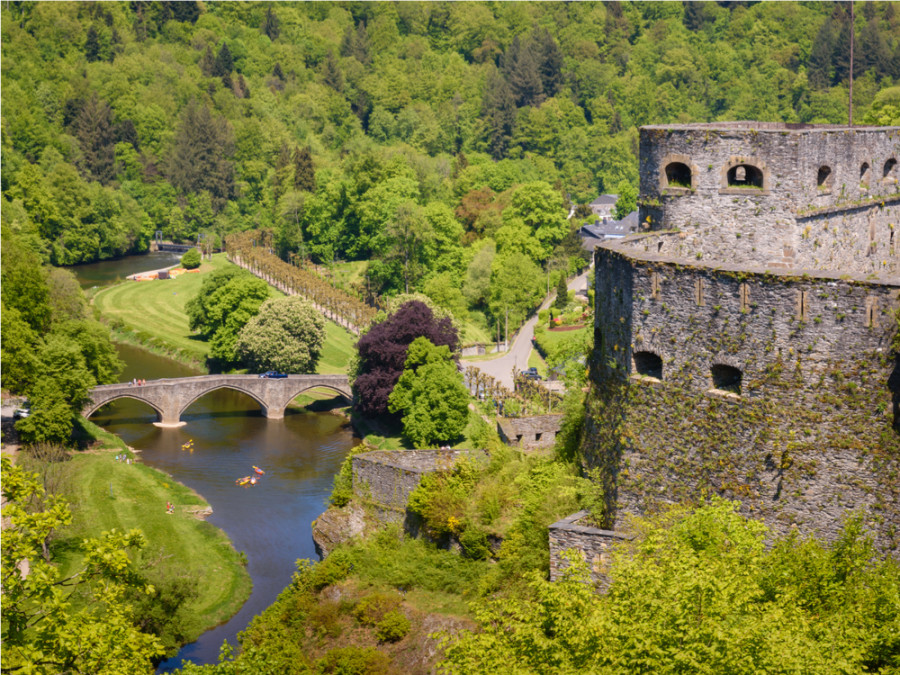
column 382, row 352
column 224, row 63
column 430, row 395
column 92, row 45
column 304, row 170
column 271, row 25
column 698, row 591
column 228, row 299
column 331, row 73
column 498, row 107
column 627, row 201
column 200, row 161
column 287, row 335
column 520, row 66
column 517, row 286
column 562, row 292
column 477, row 285
column 43, row 632
column 191, row 259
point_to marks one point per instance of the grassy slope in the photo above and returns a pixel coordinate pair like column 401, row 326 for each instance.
column 155, row 310
column 106, row 494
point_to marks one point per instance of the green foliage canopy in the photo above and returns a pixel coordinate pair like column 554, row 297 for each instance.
column 286, row 335
column 430, row 395
column 42, row 632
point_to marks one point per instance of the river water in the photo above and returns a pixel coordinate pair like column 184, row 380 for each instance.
column 270, row 522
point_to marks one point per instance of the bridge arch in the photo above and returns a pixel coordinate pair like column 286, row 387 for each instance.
column 188, row 403
column 94, row 407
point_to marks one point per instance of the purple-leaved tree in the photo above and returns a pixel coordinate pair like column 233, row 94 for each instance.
column 382, row 352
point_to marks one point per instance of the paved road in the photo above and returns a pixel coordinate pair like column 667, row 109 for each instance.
column 501, row 369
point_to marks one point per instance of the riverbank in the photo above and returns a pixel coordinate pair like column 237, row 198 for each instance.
column 201, row 580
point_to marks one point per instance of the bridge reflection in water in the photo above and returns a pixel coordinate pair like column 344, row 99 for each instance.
column 171, row 397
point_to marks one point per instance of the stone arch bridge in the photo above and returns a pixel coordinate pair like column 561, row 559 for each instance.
column 171, row 397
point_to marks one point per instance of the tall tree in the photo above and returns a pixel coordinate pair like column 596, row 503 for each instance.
column 224, row 62
column 304, row 171
column 551, row 61
column 331, row 73
column 201, row 158
column 499, row 112
column 92, row 45
column 93, row 126
column 520, row 66
column 819, row 66
column 271, row 24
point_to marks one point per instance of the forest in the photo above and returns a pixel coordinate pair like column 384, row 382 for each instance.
column 437, row 144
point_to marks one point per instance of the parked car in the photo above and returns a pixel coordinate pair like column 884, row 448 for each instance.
column 273, row 375
column 531, row 374
column 20, row 413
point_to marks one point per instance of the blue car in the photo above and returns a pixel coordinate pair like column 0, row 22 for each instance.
column 274, row 375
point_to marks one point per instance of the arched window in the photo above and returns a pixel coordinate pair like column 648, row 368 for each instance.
column 678, row 175
column 865, row 174
column 824, row 178
column 889, row 167
column 745, row 176
column 648, row 364
column 726, row 378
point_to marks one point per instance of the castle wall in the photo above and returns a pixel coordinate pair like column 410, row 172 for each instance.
column 594, row 544
column 789, row 220
column 806, row 438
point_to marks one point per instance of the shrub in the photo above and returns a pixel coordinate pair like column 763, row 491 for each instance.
column 354, row 661
column 393, row 627
column 373, row 608
column 316, row 576
column 191, row 259
column 475, row 543
column 325, row 619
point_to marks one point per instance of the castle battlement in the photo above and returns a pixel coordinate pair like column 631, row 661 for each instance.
column 744, row 340
column 777, row 195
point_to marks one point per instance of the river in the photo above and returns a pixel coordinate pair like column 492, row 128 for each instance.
column 271, row 522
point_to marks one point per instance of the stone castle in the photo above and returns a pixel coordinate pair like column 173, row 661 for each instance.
column 745, row 338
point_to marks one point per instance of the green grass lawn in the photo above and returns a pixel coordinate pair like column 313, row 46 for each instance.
column 106, row 494
column 536, row 361
column 153, row 314
column 550, row 340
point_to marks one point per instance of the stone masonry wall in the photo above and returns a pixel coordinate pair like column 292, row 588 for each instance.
column 847, row 224
column 807, row 438
column 592, row 543
column 530, row 433
column 386, row 478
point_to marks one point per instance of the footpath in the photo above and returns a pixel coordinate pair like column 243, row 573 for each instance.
column 501, row 369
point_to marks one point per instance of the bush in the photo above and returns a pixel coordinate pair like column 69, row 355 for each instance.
column 191, row 259
column 393, row 627
column 354, row 661
column 373, row 608
column 316, row 576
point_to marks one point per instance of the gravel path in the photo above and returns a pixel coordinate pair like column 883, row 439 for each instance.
column 501, row 369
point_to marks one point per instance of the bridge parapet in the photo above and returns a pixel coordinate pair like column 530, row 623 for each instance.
column 169, row 397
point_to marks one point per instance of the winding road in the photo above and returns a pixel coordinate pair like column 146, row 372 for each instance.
column 501, row 369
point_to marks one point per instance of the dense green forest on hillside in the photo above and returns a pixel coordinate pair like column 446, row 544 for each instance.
column 445, row 143
column 394, row 131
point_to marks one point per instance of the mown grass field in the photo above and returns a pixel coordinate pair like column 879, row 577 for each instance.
column 106, row 494
column 154, row 313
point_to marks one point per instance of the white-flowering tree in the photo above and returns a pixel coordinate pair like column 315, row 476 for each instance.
column 287, row 335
